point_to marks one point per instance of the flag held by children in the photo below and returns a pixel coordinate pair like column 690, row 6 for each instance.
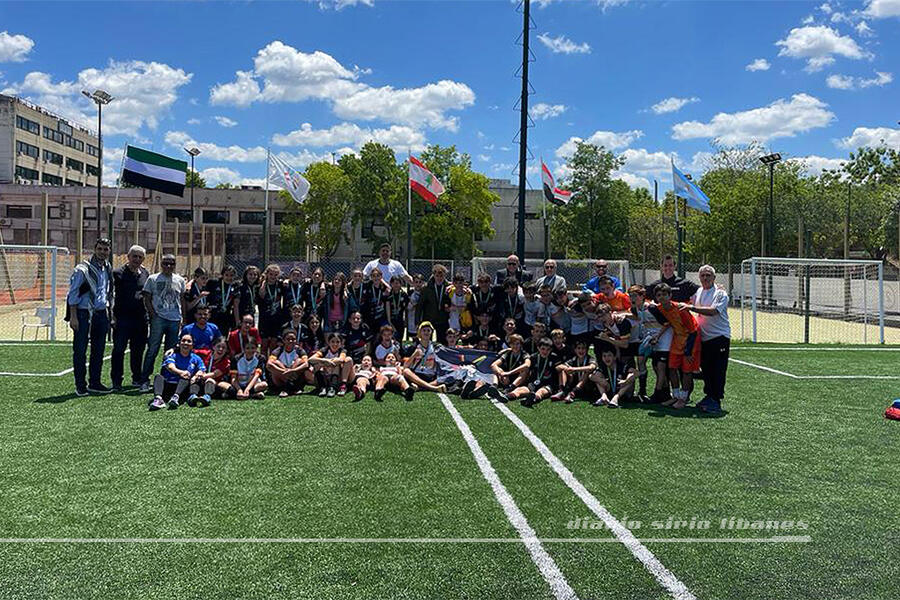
column 687, row 189
column 423, row 182
column 552, row 193
column 145, row 169
column 288, row 178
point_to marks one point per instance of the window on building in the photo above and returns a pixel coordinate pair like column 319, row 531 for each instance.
column 73, row 143
column 56, row 212
column 18, row 212
column 366, row 229
column 279, row 218
column 54, row 136
column 92, row 170
column 73, row 182
column 93, row 150
column 53, row 157
column 90, row 213
column 28, row 125
column 246, row 217
column 216, row 217
column 183, row 215
column 65, row 128
column 77, row 165
column 27, row 149
column 51, row 179
column 141, row 214
column 26, row 173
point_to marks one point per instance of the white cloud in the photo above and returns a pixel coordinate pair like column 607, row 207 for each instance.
column 425, row 105
column 603, row 4
column 826, row 8
column 818, row 44
column 846, row 82
column 883, row 9
column 504, row 168
column 871, row 136
column 760, row 64
column 216, row 175
column 672, row 104
column 194, row 121
column 489, row 147
column 225, row 121
column 484, row 158
column 608, row 139
column 397, row 136
column 563, row 45
column 14, row 47
column 809, row 20
column 143, row 93
column 639, row 160
column 240, row 92
column 814, row 165
column 779, row 119
column 542, row 111
column 211, row 151
column 342, row 4
column 863, row 29
column 633, row 181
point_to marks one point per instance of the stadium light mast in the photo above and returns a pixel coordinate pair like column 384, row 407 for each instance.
column 523, row 131
column 99, row 97
column 193, row 151
column 770, row 160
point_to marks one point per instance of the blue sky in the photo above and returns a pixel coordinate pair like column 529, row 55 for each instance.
column 307, row 78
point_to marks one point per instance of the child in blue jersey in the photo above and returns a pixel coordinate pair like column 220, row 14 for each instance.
column 203, row 333
column 180, row 371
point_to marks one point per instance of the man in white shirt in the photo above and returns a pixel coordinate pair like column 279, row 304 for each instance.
column 388, row 266
column 710, row 302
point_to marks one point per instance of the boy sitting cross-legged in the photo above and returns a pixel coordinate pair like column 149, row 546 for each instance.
column 614, row 379
column 180, row 371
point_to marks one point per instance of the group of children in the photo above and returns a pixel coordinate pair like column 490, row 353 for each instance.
column 370, row 335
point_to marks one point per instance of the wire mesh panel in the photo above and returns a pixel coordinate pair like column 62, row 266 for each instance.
column 576, row 272
column 34, row 281
column 812, row 301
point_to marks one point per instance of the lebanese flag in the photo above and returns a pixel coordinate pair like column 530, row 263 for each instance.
column 423, row 182
column 551, row 192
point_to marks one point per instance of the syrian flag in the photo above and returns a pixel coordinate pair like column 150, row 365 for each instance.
column 153, row 171
column 551, row 192
column 423, row 182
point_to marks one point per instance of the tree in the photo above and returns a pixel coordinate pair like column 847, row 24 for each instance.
column 377, row 187
column 320, row 220
column 193, row 177
column 224, row 186
column 462, row 214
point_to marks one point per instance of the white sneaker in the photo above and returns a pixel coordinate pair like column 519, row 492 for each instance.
column 145, row 388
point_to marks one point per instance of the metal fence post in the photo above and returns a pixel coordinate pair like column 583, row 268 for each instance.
column 881, row 303
column 753, row 294
column 53, row 256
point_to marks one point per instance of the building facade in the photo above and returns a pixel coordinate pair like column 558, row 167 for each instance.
column 38, row 147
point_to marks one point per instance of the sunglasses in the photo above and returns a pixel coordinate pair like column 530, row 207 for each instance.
column 168, row 264
column 512, row 263
column 550, row 268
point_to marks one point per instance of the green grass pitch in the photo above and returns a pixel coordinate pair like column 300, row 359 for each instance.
column 305, row 473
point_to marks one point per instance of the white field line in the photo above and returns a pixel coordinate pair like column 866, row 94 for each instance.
column 663, row 576
column 786, row 539
column 60, row 374
column 36, row 343
column 815, row 349
column 544, row 562
column 794, row 376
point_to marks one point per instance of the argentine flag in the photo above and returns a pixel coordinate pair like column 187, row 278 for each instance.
column 687, row 189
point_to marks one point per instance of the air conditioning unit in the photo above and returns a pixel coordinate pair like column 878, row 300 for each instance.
column 5, row 222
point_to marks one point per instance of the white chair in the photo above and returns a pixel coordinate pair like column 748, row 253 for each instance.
column 44, row 316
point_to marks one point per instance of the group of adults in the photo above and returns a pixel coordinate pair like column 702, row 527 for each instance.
column 146, row 312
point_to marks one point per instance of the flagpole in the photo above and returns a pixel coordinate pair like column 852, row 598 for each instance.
column 679, row 233
column 266, row 219
column 119, row 180
column 408, row 209
column 544, row 210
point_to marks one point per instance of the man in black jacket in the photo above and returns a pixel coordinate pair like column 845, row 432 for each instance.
column 129, row 321
column 513, row 269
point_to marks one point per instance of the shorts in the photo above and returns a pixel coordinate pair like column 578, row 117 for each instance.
column 686, row 362
column 660, row 356
column 631, row 350
column 358, row 377
column 534, row 388
column 426, row 377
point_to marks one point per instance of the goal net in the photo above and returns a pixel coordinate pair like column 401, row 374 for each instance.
column 575, row 271
column 797, row 300
column 34, row 281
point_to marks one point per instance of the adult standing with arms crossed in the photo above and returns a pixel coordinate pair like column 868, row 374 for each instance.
column 129, row 322
column 90, row 292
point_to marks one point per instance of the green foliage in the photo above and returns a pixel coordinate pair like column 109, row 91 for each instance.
column 193, row 178
column 320, row 220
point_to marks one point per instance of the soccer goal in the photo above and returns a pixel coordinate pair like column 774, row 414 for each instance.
column 33, row 285
column 575, row 271
column 802, row 300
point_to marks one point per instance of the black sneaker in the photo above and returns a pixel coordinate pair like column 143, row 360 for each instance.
column 99, row 389
column 116, row 387
column 479, row 392
column 408, row 393
column 528, row 400
column 81, row 392
column 379, row 394
column 467, row 389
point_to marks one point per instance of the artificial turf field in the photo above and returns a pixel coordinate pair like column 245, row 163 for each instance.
column 323, row 498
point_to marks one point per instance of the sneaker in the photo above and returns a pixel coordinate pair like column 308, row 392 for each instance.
column 715, row 407
column 192, row 400
column 467, row 389
column 204, row 400
column 342, row 390
column 494, row 394
column 479, row 392
column 135, row 383
column 98, row 389
column 174, row 401
column 704, row 404
column 528, row 400
column 558, row 396
column 323, row 392
column 613, row 403
column 81, row 391
column 408, row 393
column 116, row 387
column 145, row 387
column 600, row 402
column 357, row 393
column 330, row 393
column 678, row 404
column 156, row 404
column 570, row 398
column 379, row 394
column 283, row 394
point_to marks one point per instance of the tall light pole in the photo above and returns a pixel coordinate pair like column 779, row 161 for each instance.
column 99, row 97
column 193, row 152
column 523, row 132
column 770, row 160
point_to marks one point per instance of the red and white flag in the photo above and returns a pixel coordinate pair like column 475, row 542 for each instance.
column 423, row 182
column 551, row 192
